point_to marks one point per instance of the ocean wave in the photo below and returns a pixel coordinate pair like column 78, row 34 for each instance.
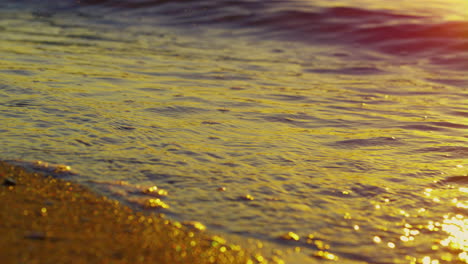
column 394, row 32
column 397, row 32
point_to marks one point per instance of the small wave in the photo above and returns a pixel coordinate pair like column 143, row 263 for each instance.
column 421, row 127
column 175, row 110
column 57, row 170
column 435, row 126
column 450, row 125
column 365, row 190
column 452, row 180
column 460, row 113
column 452, row 82
column 130, row 3
column 349, row 71
column 367, row 142
column 386, row 32
column 20, row 103
column 458, row 152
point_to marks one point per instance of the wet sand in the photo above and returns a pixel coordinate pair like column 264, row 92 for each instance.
column 48, row 220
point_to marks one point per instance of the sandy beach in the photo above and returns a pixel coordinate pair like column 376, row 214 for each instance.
column 48, row 220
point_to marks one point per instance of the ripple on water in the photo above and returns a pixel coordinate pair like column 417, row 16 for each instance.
column 456, row 152
column 21, row 103
column 462, row 180
column 450, row 125
column 459, row 113
column 175, row 110
column 349, row 71
column 368, row 142
column 423, row 127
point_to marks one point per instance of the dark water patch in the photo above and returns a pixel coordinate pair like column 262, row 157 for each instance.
column 422, row 127
column 299, row 119
column 95, row 38
column 450, row 125
column 125, row 128
column 13, row 115
column 231, row 164
column 121, row 164
column 368, row 142
column 459, row 113
column 214, row 155
column 185, row 152
column 149, row 89
column 170, row 146
column 400, row 88
column 58, row 112
column 182, row 97
column 19, row 72
column 63, row 43
column 168, row 179
column 20, row 103
column 131, row 3
column 349, row 71
column 451, row 182
column 366, row 190
column 414, row 93
column 461, row 180
column 281, row 160
column 286, row 119
column 453, row 82
column 457, row 152
column 211, row 123
column 82, row 120
column 83, row 142
column 285, row 97
column 393, row 179
column 352, row 166
column 450, row 60
column 237, row 88
column 376, row 100
column 175, row 110
column 110, row 140
column 46, row 124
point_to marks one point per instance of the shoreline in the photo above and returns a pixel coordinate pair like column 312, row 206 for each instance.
column 49, row 220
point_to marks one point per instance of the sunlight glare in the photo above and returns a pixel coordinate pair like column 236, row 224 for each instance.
column 457, row 228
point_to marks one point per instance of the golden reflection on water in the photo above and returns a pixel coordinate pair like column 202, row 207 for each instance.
column 448, row 10
column 453, row 224
column 457, row 228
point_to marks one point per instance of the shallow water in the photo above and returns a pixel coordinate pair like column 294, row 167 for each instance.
column 343, row 122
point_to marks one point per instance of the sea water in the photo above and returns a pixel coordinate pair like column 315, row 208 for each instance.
column 343, row 122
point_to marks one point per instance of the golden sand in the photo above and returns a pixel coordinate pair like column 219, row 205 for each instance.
column 48, row 220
